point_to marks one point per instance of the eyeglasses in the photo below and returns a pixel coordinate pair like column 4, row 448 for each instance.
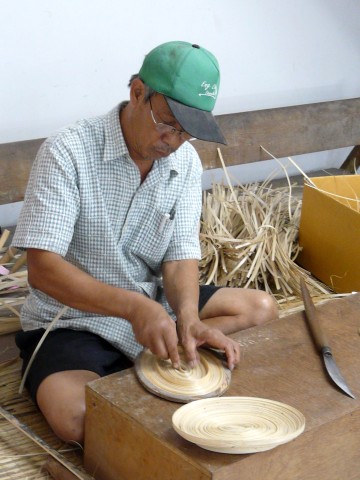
column 164, row 128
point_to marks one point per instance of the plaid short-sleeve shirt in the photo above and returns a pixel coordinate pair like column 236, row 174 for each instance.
column 85, row 202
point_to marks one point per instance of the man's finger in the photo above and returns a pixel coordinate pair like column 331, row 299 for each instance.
column 232, row 351
column 229, row 346
column 191, row 353
column 170, row 341
column 174, row 356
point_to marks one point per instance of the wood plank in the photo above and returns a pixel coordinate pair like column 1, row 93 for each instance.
column 352, row 161
column 129, row 433
column 15, row 164
column 284, row 132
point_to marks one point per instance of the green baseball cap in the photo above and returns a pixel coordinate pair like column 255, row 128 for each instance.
column 188, row 76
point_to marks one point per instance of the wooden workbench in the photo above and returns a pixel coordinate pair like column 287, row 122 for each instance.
column 129, row 434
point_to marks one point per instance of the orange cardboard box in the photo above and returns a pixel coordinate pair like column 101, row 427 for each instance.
column 329, row 232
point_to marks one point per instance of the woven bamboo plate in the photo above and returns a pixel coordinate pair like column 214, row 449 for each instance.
column 209, row 378
column 238, row 424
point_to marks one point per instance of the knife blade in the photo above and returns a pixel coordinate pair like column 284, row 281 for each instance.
column 321, row 340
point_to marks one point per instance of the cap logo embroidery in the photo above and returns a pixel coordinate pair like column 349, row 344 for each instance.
column 209, row 90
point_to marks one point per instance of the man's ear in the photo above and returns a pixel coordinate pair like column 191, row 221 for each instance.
column 137, row 91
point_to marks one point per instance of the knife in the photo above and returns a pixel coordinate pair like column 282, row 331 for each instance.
column 321, row 341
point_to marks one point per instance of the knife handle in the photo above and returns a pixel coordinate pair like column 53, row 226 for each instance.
column 320, row 338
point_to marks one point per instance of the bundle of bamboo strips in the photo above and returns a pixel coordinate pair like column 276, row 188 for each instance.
column 13, row 285
column 248, row 239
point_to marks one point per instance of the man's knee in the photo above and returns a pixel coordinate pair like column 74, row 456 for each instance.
column 70, row 428
column 61, row 399
column 67, row 422
column 264, row 309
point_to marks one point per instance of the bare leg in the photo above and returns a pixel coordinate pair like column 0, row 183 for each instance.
column 61, row 399
column 234, row 309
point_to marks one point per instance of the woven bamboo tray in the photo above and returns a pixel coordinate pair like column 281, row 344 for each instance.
column 209, row 378
column 238, row 424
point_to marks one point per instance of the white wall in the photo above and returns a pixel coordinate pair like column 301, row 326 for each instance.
column 64, row 60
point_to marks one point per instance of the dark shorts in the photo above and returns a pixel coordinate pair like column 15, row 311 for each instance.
column 65, row 349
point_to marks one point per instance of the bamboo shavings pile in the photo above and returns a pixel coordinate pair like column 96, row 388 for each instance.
column 13, row 285
column 248, row 239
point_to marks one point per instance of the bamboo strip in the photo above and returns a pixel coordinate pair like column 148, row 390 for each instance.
column 40, row 442
column 4, row 237
column 42, row 339
column 9, row 325
column 19, row 263
column 9, row 255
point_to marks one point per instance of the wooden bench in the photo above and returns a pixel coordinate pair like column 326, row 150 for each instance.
column 128, row 431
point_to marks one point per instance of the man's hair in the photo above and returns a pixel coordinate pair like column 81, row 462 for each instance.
column 149, row 92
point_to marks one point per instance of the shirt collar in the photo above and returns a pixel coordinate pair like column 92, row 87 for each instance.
column 115, row 145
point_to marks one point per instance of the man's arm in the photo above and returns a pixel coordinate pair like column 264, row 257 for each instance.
column 152, row 326
column 181, row 285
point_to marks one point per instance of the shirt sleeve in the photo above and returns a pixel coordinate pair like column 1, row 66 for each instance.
column 51, row 204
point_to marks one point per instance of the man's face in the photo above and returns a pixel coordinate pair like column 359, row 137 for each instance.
column 157, row 133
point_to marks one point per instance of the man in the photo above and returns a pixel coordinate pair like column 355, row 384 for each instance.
column 110, row 225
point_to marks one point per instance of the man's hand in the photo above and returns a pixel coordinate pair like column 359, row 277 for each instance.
column 183, row 297
column 156, row 330
column 195, row 333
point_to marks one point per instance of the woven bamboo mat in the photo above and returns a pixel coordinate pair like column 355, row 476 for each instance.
column 20, row 458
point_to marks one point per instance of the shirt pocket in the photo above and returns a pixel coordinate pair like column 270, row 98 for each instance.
column 150, row 237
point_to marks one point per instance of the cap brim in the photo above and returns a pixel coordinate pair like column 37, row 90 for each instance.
column 197, row 123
